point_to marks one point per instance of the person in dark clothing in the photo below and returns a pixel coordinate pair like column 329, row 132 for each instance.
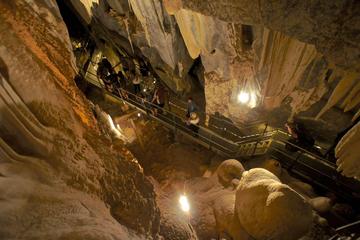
column 121, row 76
column 111, row 82
column 136, row 80
column 191, row 107
column 143, row 68
column 104, row 68
column 159, row 98
column 299, row 137
column 106, row 73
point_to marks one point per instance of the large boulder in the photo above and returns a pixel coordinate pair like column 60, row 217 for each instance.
column 229, row 170
column 268, row 209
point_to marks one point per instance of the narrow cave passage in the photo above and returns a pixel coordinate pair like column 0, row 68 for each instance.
column 178, row 120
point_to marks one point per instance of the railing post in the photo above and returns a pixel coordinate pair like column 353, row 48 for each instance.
column 266, row 125
column 173, row 121
column 253, row 153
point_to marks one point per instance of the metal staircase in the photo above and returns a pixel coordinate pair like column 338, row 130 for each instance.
column 303, row 164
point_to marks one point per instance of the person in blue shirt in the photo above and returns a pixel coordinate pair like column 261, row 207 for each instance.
column 191, row 107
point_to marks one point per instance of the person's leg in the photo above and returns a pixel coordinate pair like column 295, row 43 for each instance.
column 161, row 106
column 196, row 130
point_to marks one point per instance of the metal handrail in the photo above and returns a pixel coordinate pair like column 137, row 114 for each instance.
column 244, row 139
column 203, row 113
column 171, row 120
column 316, row 156
column 183, row 109
column 245, row 126
column 248, row 147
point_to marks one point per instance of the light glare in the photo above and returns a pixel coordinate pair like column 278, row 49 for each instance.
column 243, row 97
column 184, row 203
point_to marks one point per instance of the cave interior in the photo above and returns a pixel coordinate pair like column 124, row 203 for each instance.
column 180, row 119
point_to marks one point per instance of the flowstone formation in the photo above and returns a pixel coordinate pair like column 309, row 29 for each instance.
column 253, row 204
column 60, row 176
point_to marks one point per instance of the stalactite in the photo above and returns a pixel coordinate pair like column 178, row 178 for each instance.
column 343, row 87
column 126, row 21
column 284, row 60
column 352, row 99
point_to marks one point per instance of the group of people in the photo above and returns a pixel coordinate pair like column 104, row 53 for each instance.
column 118, row 82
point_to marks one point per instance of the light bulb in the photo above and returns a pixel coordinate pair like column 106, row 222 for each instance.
column 243, row 97
column 184, row 203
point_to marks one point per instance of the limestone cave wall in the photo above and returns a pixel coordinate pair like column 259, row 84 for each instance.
column 297, row 59
column 60, row 177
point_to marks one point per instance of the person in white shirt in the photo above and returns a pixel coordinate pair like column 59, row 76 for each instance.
column 193, row 122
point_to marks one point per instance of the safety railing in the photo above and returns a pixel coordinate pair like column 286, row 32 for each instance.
column 304, row 163
column 245, row 144
column 254, row 141
column 224, row 131
column 211, row 139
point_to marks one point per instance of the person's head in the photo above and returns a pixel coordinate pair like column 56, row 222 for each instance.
column 291, row 128
column 190, row 99
column 193, row 116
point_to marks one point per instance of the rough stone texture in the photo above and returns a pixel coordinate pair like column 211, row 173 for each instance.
column 146, row 27
column 321, row 204
column 348, row 152
column 174, row 222
column 295, row 45
column 285, row 68
column 229, row 170
column 332, row 26
column 60, row 178
column 212, row 205
column 260, row 201
column 283, row 73
column 258, row 206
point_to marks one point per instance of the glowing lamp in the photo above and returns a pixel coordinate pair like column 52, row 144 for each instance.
column 243, row 97
column 184, row 203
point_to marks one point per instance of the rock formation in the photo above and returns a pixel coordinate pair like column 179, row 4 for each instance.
column 60, row 178
column 260, row 198
column 305, row 48
column 252, row 207
column 347, row 152
column 284, row 68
